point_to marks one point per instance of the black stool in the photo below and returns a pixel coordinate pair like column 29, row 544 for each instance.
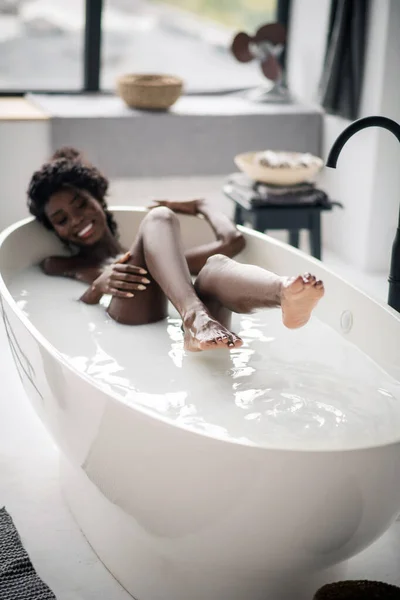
column 304, row 212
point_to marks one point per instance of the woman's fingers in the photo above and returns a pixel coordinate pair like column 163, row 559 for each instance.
column 127, row 285
column 129, row 269
column 124, row 258
column 128, row 277
column 120, row 265
column 119, row 294
column 127, row 282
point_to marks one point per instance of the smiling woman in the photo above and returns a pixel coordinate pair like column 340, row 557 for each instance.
column 67, row 195
column 73, row 214
column 68, row 174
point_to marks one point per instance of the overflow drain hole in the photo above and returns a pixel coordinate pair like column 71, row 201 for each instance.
column 346, row 321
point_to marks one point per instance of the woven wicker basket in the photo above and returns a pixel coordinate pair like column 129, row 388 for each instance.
column 151, row 92
column 358, row 590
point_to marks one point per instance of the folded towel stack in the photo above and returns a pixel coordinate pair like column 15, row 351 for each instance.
column 261, row 194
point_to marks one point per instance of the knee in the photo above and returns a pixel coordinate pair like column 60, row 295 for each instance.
column 217, row 261
column 161, row 214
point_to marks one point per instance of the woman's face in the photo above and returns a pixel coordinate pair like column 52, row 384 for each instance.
column 76, row 216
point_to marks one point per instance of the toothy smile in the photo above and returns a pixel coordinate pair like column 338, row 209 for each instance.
column 85, row 231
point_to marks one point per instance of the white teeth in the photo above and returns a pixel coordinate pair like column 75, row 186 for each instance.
column 85, row 230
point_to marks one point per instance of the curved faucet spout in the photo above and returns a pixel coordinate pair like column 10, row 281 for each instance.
column 353, row 128
column 394, row 127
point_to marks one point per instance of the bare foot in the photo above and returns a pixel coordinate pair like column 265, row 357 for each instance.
column 299, row 298
column 202, row 332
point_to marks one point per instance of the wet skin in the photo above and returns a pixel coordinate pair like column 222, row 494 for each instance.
column 156, row 268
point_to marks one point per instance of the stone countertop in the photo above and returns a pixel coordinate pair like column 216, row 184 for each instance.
column 106, row 106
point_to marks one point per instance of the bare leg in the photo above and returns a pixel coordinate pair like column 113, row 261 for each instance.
column 148, row 306
column 225, row 285
column 159, row 250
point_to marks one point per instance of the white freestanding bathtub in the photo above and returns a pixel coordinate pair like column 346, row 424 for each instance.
column 175, row 514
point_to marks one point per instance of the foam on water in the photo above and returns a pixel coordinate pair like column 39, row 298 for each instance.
column 304, row 389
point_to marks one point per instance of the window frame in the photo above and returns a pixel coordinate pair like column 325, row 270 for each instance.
column 92, row 54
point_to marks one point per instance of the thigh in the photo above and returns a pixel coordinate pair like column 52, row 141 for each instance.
column 147, row 306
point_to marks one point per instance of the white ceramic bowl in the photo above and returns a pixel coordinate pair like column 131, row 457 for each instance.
column 248, row 163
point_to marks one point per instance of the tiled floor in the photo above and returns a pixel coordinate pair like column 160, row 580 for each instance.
column 30, row 491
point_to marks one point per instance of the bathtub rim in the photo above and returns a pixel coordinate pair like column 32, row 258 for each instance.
column 6, row 296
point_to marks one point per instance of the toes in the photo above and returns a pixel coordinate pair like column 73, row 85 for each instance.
column 232, row 341
column 213, row 335
column 319, row 284
column 309, row 279
column 223, row 338
column 237, row 341
column 296, row 284
column 212, row 342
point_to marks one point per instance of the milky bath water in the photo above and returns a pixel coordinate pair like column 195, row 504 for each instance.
column 304, row 389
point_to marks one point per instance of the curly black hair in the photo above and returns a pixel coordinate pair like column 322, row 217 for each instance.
column 67, row 168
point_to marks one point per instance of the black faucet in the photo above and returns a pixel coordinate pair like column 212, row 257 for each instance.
column 394, row 273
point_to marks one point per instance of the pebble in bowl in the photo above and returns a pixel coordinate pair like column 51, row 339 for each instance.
column 149, row 92
column 279, row 168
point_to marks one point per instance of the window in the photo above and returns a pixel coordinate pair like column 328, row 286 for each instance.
column 41, row 44
column 54, row 45
column 189, row 38
column 238, row 14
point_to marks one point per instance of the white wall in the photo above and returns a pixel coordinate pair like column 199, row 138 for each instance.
column 24, row 146
column 367, row 178
column 386, row 191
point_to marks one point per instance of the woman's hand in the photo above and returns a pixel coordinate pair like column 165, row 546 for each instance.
column 187, row 207
column 121, row 280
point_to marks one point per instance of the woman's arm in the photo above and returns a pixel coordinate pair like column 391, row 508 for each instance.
column 75, row 268
column 117, row 279
column 229, row 241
